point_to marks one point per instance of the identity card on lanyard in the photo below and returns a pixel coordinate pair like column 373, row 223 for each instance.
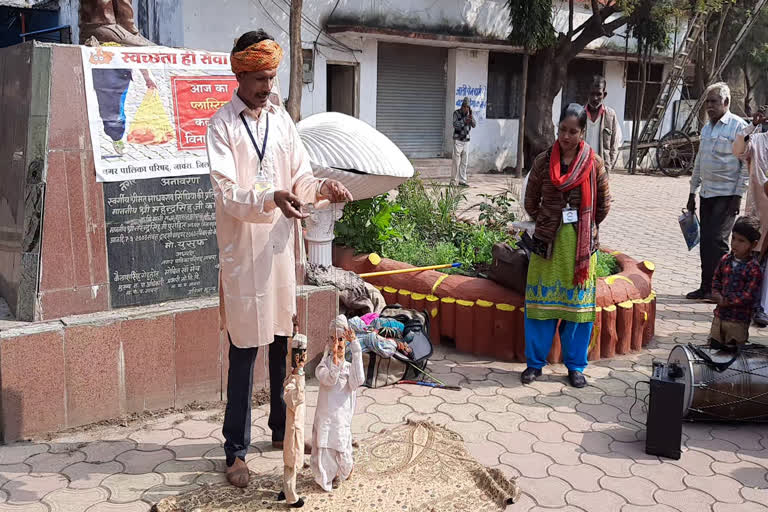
column 570, row 215
column 260, row 176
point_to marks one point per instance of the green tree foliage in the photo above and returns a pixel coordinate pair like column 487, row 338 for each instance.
column 531, row 23
column 652, row 23
column 532, row 26
column 751, row 61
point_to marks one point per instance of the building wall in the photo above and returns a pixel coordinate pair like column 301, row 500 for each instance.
column 207, row 26
column 369, row 72
column 15, row 86
column 211, row 26
column 494, row 142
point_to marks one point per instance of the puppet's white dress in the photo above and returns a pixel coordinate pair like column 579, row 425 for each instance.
column 332, row 428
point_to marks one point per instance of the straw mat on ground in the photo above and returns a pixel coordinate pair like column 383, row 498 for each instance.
column 419, row 466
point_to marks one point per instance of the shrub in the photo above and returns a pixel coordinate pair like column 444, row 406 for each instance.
column 420, row 226
column 607, row 265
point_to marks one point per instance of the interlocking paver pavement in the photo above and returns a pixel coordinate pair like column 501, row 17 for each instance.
column 580, row 450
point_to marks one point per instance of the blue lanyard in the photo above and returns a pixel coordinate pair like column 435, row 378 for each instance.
column 263, row 150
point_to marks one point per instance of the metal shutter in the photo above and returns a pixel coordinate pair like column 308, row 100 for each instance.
column 411, row 96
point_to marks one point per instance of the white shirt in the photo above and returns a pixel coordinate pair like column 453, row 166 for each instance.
column 256, row 241
column 716, row 169
column 594, row 129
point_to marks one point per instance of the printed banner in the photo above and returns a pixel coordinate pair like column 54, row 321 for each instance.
column 149, row 108
column 478, row 98
column 194, row 100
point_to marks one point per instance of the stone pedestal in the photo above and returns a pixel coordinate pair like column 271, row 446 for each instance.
column 319, row 233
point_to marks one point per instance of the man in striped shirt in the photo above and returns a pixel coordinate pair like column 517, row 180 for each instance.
column 723, row 181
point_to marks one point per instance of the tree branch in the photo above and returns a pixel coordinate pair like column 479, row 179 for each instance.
column 716, row 49
column 595, row 31
column 610, row 28
column 607, row 11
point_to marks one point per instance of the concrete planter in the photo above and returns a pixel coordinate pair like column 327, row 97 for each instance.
column 486, row 319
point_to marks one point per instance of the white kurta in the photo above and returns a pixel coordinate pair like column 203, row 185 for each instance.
column 256, row 241
column 332, row 427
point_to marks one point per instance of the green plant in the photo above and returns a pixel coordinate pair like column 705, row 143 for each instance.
column 497, row 211
column 419, row 227
column 367, row 224
column 607, row 265
column 416, row 199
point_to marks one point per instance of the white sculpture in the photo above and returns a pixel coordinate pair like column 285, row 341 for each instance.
column 351, row 151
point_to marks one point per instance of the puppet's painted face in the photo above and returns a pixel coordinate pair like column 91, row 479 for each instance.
column 299, row 358
column 339, row 343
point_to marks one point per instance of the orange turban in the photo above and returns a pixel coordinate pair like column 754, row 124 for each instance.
column 263, row 55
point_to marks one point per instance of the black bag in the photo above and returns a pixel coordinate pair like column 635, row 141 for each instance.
column 380, row 371
column 509, row 268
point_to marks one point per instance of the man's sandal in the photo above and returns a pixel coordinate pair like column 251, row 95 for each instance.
column 238, row 474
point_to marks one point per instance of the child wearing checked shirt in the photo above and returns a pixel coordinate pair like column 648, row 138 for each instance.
column 736, row 286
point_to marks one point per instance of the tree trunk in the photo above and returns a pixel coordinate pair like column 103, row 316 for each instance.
column 718, row 38
column 521, row 125
column 547, row 74
column 637, row 118
column 748, row 88
column 297, row 62
column 546, row 77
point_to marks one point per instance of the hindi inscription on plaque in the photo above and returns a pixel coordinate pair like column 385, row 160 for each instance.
column 161, row 240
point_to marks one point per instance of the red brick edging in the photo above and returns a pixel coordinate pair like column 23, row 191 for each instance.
column 486, row 319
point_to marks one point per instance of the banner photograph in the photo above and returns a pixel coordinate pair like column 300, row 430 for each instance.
column 148, row 109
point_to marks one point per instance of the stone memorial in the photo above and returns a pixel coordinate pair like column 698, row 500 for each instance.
column 161, row 240
column 113, row 284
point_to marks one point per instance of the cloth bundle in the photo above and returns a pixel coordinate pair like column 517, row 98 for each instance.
column 389, row 328
column 372, row 342
column 353, row 293
column 358, row 325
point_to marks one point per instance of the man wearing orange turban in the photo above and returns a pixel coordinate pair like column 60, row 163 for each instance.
column 261, row 178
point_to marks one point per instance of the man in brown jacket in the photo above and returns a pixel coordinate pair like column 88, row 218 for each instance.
column 603, row 128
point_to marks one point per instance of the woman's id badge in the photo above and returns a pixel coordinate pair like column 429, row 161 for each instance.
column 570, row 215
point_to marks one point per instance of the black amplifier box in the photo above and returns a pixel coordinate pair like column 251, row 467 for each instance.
column 664, row 426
